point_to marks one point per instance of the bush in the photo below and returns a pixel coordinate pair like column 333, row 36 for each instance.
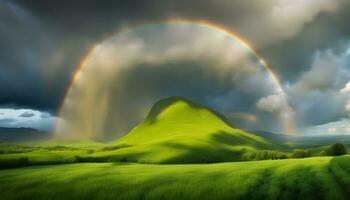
column 301, row 154
column 60, row 148
column 337, row 149
column 112, row 148
column 90, row 151
column 266, row 155
column 282, row 156
column 12, row 163
column 323, row 153
column 79, row 159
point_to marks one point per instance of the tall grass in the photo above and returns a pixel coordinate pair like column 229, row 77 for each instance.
column 310, row 178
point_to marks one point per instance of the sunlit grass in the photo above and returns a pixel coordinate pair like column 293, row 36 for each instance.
column 311, row 178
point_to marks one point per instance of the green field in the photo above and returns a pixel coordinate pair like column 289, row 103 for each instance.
column 310, row 178
column 180, row 151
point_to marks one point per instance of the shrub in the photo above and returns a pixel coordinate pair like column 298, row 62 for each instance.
column 60, row 148
column 77, row 159
column 336, row 150
column 282, row 156
column 11, row 163
column 80, row 159
column 266, row 155
column 90, row 151
column 323, row 153
column 301, row 153
column 112, row 148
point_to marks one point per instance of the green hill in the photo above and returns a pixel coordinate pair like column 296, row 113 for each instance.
column 180, row 131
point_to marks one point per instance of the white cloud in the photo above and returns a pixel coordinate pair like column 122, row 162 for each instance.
column 341, row 127
column 273, row 103
column 297, row 13
column 347, row 106
column 346, row 89
column 346, row 92
column 322, row 75
column 27, row 114
column 277, row 103
column 284, row 19
column 26, row 118
column 319, row 95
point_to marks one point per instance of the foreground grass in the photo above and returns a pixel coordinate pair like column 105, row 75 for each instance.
column 311, row 178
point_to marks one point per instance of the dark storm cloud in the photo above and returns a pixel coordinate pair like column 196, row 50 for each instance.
column 195, row 81
column 42, row 42
column 294, row 56
column 127, row 73
column 26, row 51
column 138, row 87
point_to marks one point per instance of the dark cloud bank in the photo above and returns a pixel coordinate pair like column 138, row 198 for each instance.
column 41, row 43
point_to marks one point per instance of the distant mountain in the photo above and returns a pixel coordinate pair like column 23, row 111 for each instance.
column 274, row 137
column 302, row 139
column 22, row 134
column 177, row 130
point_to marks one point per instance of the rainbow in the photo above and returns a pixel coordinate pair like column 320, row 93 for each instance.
column 236, row 37
column 288, row 122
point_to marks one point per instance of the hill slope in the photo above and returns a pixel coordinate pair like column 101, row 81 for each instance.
column 179, row 131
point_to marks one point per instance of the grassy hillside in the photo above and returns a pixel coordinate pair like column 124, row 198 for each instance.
column 179, row 131
column 311, row 178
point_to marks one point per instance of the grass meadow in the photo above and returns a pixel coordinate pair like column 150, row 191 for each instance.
column 168, row 156
column 308, row 178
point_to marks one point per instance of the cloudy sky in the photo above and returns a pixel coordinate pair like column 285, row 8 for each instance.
column 307, row 43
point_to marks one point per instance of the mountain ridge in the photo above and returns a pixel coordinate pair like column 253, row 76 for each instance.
column 8, row 134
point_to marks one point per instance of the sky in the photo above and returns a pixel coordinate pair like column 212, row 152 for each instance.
column 307, row 43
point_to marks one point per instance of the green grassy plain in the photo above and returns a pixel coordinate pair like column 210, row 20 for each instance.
column 309, row 178
column 180, row 151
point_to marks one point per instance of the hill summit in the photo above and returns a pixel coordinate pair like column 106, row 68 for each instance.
column 166, row 103
column 177, row 130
